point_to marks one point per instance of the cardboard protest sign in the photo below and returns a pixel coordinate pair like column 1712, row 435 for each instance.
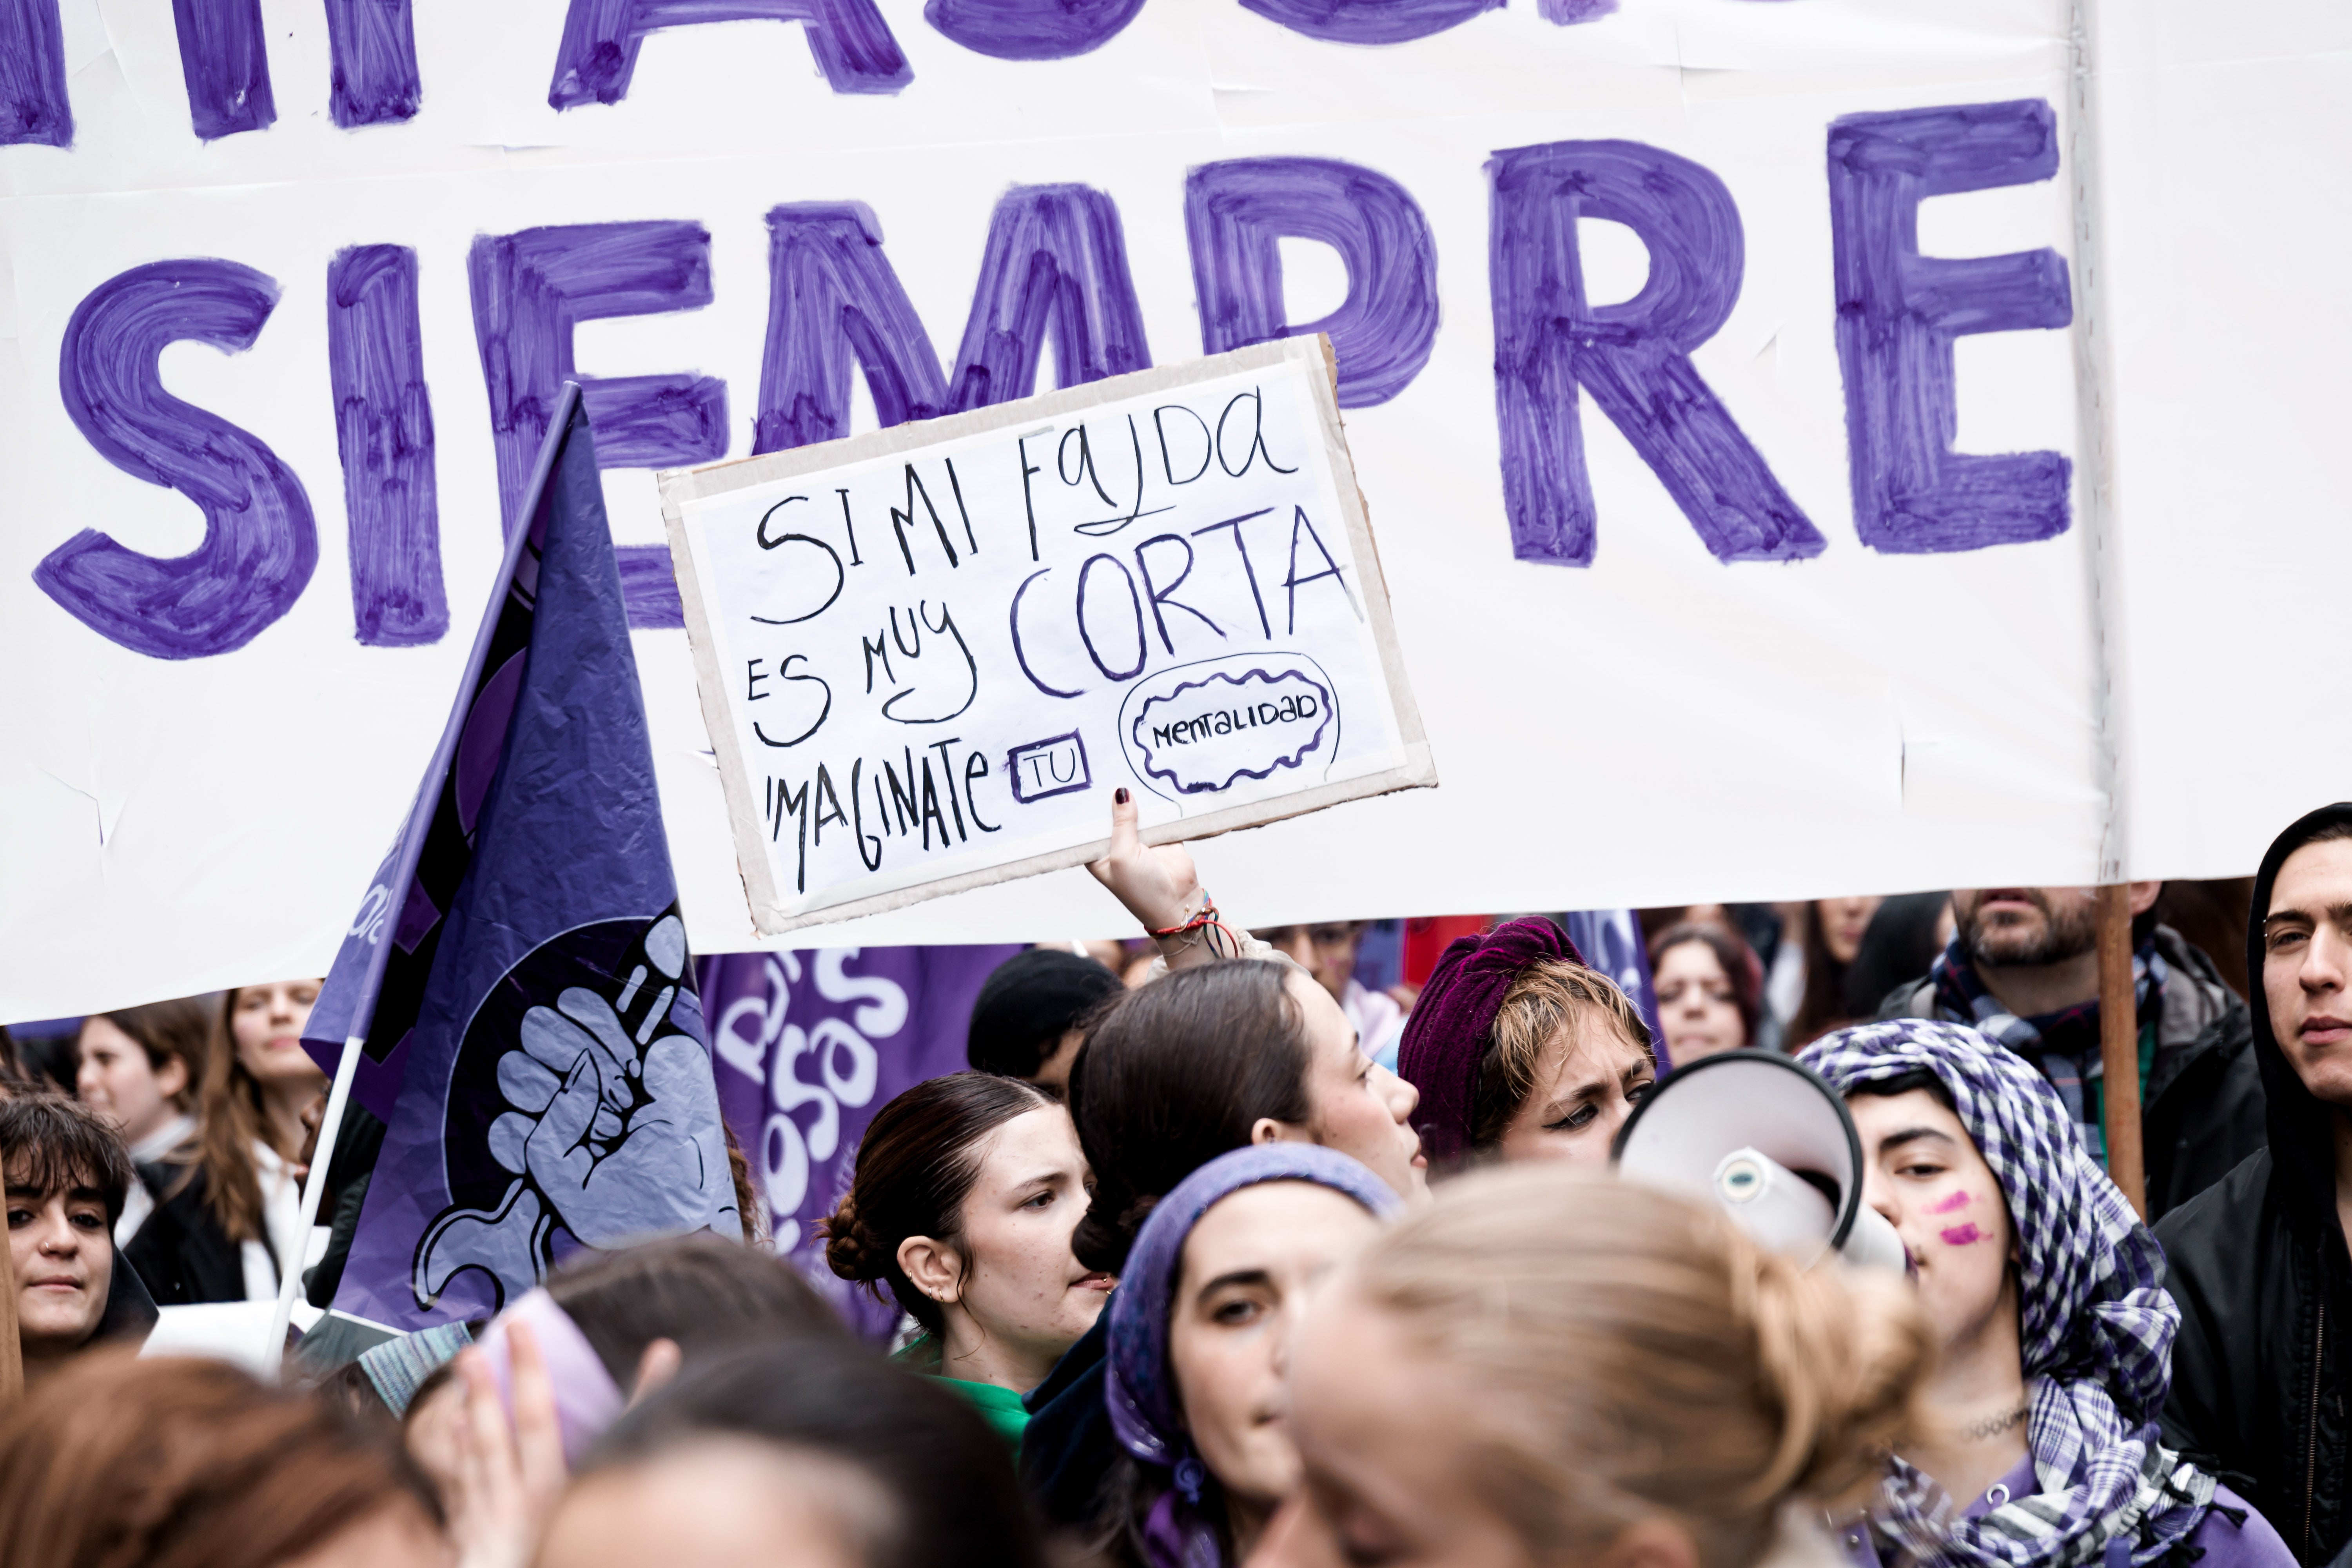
column 928, row 656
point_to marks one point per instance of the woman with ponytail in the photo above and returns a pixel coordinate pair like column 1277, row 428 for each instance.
column 966, row 1190
column 1199, row 1341
column 2035, row 1444
column 1543, row 1367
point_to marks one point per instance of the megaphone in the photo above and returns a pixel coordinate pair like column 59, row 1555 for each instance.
column 1762, row 1136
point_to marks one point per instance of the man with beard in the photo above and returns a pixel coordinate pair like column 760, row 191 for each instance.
column 2023, row 967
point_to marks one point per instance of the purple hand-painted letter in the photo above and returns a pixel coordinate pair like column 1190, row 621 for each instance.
column 1370, row 21
column 598, row 53
column 33, row 103
column 1236, row 211
column 383, row 430
column 530, row 289
column 832, row 294
column 259, row 546
column 1634, row 357
column 1031, row 29
column 374, row 44
column 1056, row 259
column 225, row 64
column 1898, row 311
column 1055, row 263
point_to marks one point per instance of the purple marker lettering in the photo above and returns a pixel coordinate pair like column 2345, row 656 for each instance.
column 833, row 296
column 1898, row 312
column 1236, row 213
column 530, row 291
column 1961, row 1234
column 260, row 545
column 383, row 430
column 373, row 45
column 1634, row 357
column 226, row 65
column 33, row 103
column 1569, row 13
column 1055, row 261
column 1031, row 29
column 1959, row 1200
column 598, row 54
column 1369, row 21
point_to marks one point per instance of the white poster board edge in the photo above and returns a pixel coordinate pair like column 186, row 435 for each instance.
column 680, row 486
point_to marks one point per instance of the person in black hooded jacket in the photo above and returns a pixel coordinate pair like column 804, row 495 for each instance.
column 2258, row 1263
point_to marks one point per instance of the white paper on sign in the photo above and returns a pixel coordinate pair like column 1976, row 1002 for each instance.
column 928, row 656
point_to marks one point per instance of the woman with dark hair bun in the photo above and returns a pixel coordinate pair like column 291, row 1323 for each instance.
column 819, row 1457
column 966, row 1191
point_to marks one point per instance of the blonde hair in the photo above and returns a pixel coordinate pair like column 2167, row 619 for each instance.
column 1546, row 996
column 1630, row 1356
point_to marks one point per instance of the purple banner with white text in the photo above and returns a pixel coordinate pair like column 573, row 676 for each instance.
column 807, row 1047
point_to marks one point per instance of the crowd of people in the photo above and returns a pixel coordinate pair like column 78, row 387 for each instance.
column 1217, row 1254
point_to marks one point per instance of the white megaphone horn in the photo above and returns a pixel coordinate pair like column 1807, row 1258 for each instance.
column 1766, row 1140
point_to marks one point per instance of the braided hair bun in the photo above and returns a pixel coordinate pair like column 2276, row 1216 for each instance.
column 915, row 1167
column 850, row 1250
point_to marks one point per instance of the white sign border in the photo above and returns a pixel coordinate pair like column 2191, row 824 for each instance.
column 680, row 487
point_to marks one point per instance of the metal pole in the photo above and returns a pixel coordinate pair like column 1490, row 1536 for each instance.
column 2119, row 1046
column 314, row 1186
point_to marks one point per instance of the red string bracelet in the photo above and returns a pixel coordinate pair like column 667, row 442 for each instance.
column 1206, row 917
column 1206, row 922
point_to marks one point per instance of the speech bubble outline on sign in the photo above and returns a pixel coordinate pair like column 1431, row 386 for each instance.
column 1199, row 728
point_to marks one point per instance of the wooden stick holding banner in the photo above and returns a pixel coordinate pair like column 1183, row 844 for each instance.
column 2119, row 1046
column 947, row 642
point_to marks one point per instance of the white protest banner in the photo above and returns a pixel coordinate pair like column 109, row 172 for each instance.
column 1163, row 580
column 1650, row 339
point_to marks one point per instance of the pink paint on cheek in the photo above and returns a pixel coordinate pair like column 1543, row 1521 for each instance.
column 1961, row 1234
column 1956, row 1200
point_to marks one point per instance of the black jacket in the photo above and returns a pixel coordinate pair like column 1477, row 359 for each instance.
column 180, row 1249
column 2259, row 1268
column 2201, row 1107
column 1069, row 1447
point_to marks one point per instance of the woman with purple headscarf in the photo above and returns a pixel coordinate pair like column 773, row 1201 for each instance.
column 2035, row 1442
column 1217, row 1277
column 1520, row 1051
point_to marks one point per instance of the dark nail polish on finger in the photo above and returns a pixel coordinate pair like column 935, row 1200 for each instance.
column 1119, row 796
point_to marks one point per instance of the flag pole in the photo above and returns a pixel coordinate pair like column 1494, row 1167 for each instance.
column 314, row 1187
column 2119, row 1046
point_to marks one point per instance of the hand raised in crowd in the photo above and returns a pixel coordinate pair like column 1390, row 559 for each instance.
column 1157, row 885
column 510, row 1474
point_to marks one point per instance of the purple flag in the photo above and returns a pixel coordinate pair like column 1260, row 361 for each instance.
column 375, row 988
column 808, row 1047
column 555, row 1088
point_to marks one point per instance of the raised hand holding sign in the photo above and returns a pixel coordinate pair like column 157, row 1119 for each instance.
column 925, row 654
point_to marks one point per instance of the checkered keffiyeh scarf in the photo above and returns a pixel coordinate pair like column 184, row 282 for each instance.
column 2095, row 1326
column 2064, row 1045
